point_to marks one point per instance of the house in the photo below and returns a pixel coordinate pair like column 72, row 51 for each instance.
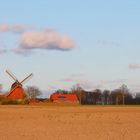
column 64, row 98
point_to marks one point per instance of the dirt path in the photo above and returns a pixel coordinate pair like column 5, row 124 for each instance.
column 69, row 123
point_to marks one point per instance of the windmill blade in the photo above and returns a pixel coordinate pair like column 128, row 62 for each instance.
column 11, row 75
column 27, row 78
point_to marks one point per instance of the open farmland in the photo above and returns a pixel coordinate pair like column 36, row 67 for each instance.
column 69, row 123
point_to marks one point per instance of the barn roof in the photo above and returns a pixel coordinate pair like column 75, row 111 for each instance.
column 69, row 97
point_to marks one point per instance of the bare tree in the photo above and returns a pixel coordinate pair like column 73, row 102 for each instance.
column 124, row 91
column 77, row 89
column 105, row 96
column 97, row 94
column 121, row 95
column 61, row 91
column 0, row 87
column 33, row 92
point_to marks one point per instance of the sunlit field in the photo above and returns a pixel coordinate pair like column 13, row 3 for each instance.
column 69, row 122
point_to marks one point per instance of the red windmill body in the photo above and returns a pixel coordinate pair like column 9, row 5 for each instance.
column 17, row 91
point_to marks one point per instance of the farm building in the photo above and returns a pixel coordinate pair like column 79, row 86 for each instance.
column 17, row 93
column 64, row 98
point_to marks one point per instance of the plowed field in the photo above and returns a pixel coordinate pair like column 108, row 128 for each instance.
column 69, row 123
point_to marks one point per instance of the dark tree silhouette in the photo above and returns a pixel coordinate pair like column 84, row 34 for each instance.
column 33, row 92
column 105, row 96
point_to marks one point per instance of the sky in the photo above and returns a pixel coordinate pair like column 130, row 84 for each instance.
column 93, row 43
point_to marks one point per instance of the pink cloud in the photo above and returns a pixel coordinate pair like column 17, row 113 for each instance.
column 30, row 40
column 4, row 28
column 20, row 51
column 19, row 28
column 85, row 84
column 68, row 80
column 3, row 50
column 13, row 28
column 45, row 40
column 134, row 66
column 117, row 81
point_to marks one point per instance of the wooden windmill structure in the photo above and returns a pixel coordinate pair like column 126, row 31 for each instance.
column 17, row 91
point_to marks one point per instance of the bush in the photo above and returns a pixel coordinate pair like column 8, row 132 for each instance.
column 9, row 102
column 6, row 101
column 24, row 101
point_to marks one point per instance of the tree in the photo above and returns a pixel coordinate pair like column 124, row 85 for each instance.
column 97, row 94
column 105, row 96
column 33, row 92
column 116, row 96
column 0, row 87
column 124, row 91
column 77, row 89
column 121, row 95
column 61, row 91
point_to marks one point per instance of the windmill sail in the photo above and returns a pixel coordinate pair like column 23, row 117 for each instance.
column 17, row 91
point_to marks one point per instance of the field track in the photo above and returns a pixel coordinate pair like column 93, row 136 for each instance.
column 69, row 123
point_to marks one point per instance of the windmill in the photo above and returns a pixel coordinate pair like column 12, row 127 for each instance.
column 17, row 91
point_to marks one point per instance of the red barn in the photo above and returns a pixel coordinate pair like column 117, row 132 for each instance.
column 64, row 98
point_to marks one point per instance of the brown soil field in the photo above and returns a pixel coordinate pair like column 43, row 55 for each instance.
column 69, row 123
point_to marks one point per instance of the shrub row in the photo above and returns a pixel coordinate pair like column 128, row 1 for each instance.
column 6, row 101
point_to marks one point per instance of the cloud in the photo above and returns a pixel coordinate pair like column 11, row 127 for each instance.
column 2, row 50
column 89, row 85
column 107, row 43
column 134, row 66
column 32, row 39
column 68, row 80
column 20, row 51
column 13, row 28
column 85, row 84
column 117, row 81
column 78, row 75
column 4, row 28
column 18, row 28
column 50, row 40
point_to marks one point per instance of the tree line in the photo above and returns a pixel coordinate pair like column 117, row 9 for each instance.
column 120, row 96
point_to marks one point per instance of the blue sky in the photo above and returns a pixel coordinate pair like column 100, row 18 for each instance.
column 93, row 43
